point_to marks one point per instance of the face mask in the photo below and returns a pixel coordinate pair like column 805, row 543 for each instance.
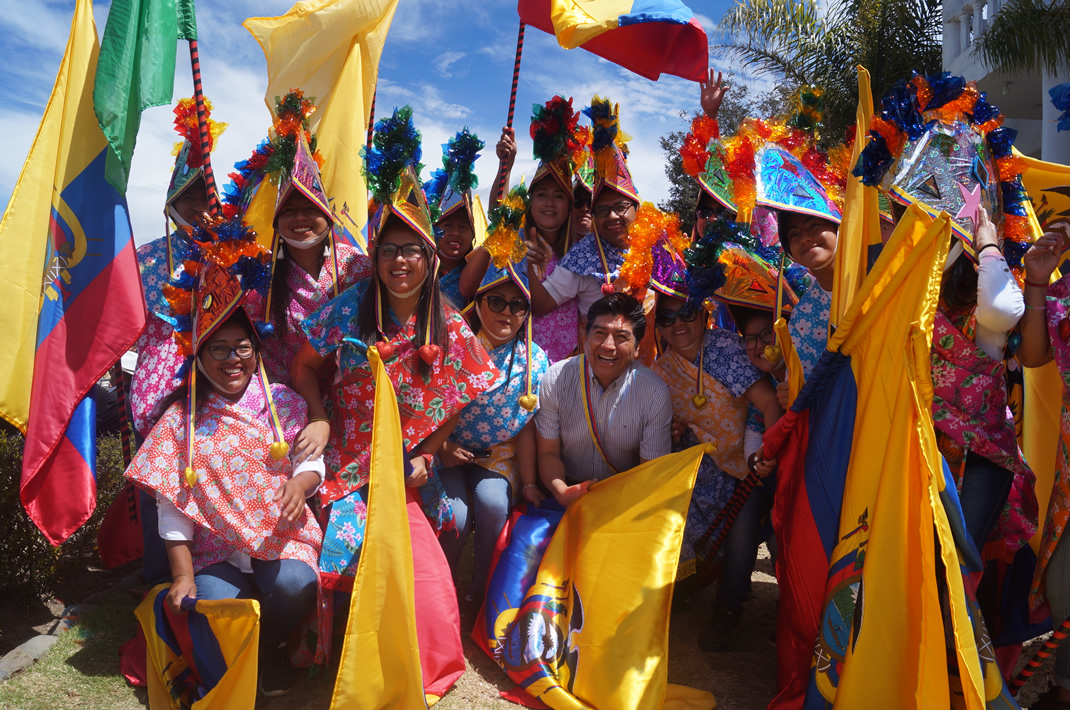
column 294, row 244
column 415, row 288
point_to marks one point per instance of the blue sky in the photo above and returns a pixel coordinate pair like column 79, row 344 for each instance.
column 451, row 61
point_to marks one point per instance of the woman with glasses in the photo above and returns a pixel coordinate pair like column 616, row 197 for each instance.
column 437, row 367
column 549, row 218
column 711, row 382
column 232, row 510
column 489, row 460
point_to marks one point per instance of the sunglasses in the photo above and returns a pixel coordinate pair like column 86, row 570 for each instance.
column 222, row 352
column 518, row 306
column 765, row 337
column 666, row 318
column 409, row 252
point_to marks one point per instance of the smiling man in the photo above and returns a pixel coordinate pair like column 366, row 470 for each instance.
column 630, row 407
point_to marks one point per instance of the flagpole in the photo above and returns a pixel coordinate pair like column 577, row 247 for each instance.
column 202, row 121
column 371, row 117
column 1038, row 659
column 512, row 105
column 727, row 515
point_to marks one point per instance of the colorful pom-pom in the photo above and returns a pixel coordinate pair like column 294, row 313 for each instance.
column 650, row 225
column 395, row 146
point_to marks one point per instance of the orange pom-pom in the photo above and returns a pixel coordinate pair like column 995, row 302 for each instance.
column 1009, row 167
column 923, row 91
column 1016, row 227
column 180, row 300
column 649, row 225
column 705, row 129
column 890, row 133
column 184, row 340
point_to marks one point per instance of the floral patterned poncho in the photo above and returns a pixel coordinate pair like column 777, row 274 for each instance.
column 460, row 376
column 237, row 478
column 1058, row 513
column 495, row 417
column 727, row 375
column 159, row 361
column 306, row 294
column 970, row 413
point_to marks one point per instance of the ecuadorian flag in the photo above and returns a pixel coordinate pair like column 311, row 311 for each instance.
column 648, row 37
column 71, row 294
column 875, row 608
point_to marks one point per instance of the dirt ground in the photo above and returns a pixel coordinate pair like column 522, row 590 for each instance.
column 744, row 679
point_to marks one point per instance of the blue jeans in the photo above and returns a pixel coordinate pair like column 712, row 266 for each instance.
column 286, row 590
column 984, row 491
column 155, row 567
column 475, row 492
column 741, row 549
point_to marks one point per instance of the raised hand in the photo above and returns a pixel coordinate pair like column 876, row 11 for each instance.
column 712, row 94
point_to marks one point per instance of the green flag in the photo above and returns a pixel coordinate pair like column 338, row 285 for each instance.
column 135, row 71
column 187, row 19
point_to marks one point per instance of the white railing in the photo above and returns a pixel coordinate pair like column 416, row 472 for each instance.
column 964, row 23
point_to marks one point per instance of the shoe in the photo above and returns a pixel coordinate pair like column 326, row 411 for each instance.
column 1049, row 700
column 723, row 631
column 276, row 677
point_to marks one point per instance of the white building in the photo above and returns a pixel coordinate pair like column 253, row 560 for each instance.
column 1023, row 98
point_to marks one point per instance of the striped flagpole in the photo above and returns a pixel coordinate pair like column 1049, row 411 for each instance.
column 1038, row 658
column 512, row 100
column 202, row 120
column 371, row 117
column 727, row 515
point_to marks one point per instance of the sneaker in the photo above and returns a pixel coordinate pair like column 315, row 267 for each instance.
column 723, row 631
column 276, row 677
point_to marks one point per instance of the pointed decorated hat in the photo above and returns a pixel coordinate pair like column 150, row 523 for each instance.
column 507, row 219
column 668, row 274
column 303, row 178
column 813, row 181
column 451, row 187
column 392, row 168
column 226, row 265
column 940, row 144
column 703, row 159
column 189, row 161
column 610, row 150
column 558, row 143
column 784, row 184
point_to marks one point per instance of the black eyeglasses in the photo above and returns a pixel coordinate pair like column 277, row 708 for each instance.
column 222, row 352
column 764, row 337
column 705, row 212
column 620, row 209
column 518, row 306
column 666, row 318
column 409, row 252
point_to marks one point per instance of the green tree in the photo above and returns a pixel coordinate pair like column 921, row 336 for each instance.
column 790, row 41
column 1026, row 36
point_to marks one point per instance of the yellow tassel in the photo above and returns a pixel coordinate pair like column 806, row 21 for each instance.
column 279, row 450
column 528, row 401
column 191, row 477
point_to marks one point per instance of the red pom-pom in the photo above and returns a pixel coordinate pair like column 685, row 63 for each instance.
column 385, row 350
column 607, row 289
column 430, row 353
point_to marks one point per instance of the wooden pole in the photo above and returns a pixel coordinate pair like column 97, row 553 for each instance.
column 512, row 103
column 371, row 117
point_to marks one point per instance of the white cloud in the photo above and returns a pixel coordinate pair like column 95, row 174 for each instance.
column 424, row 98
column 445, row 62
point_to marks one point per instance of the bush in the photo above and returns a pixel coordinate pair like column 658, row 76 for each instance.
column 31, row 565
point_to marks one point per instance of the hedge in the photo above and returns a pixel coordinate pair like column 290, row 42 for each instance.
column 30, row 564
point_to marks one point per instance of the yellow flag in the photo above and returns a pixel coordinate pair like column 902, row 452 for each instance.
column 380, row 662
column 861, row 216
column 213, row 647
column 602, row 596
column 330, row 49
column 1040, row 435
